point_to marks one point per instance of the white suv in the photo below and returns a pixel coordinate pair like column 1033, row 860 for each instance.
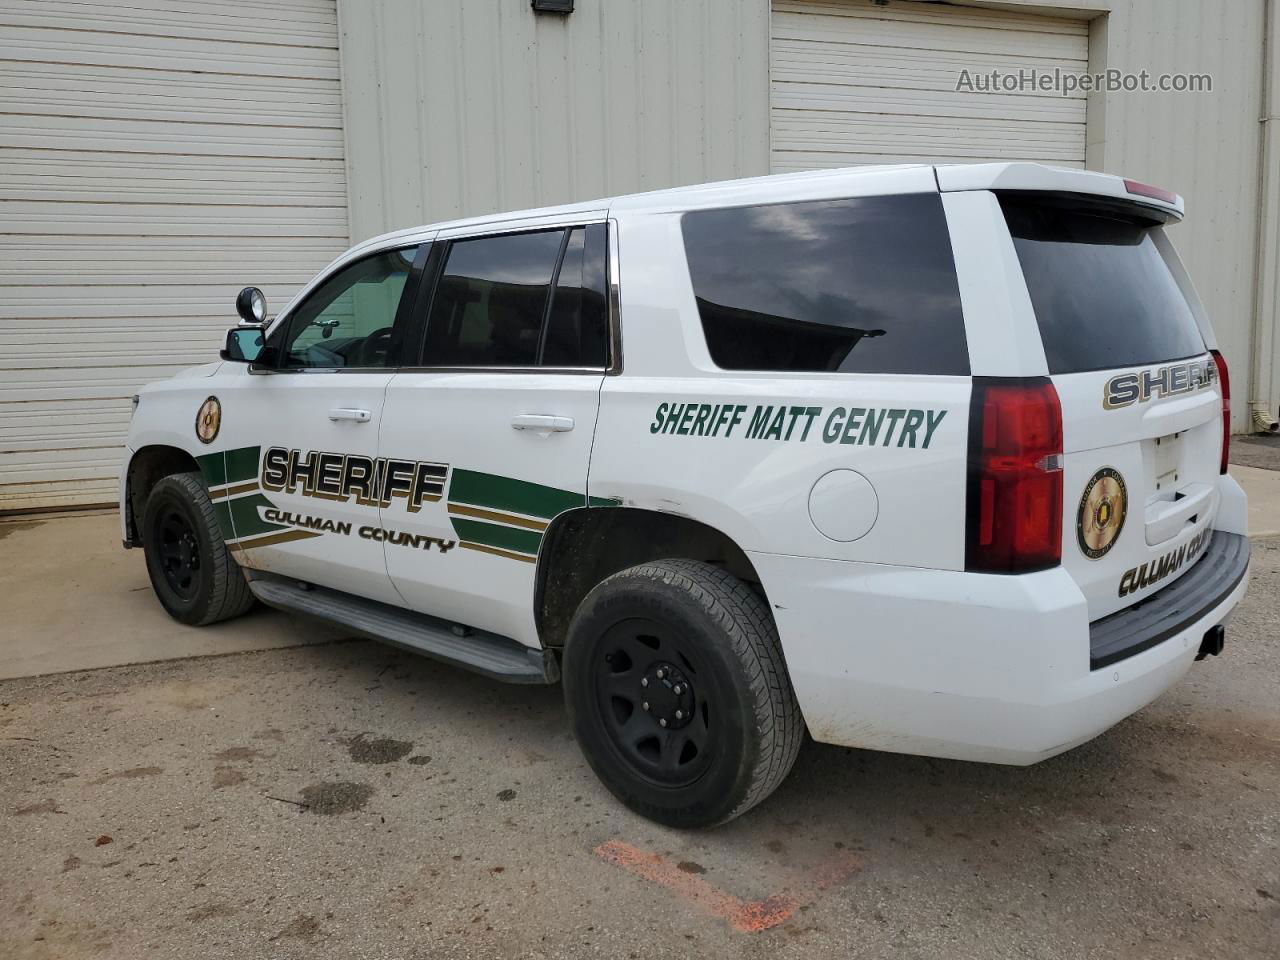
column 922, row 459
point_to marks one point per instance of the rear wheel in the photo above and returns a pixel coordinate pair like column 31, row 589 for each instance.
column 678, row 693
column 192, row 572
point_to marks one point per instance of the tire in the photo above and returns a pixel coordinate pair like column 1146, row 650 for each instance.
column 687, row 643
column 192, row 572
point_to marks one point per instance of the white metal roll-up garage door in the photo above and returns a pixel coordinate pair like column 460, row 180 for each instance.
column 154, row 158
column 853, row 83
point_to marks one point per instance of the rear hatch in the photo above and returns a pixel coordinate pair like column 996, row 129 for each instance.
column 1141, row 405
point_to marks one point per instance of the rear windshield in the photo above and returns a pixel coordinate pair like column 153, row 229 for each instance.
column 1103, row 294
column 864, row 285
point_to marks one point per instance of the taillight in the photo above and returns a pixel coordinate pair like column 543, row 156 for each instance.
column 1225, row 380
column 1014, row 505
column 1139, row 189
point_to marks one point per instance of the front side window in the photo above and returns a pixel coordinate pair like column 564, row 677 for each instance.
column 862, row 285
column 347, row 321
column 521, row 300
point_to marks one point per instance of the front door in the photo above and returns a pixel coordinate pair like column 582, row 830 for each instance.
column 303, row 478
column 505, row 404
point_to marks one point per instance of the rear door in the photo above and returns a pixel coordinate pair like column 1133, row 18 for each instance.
column 504, row 402
column 1124, row 339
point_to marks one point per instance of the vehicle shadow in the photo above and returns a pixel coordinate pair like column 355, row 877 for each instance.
column 1127, row 776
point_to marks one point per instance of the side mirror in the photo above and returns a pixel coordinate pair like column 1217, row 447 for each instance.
column 251, row 305
column 244, row 344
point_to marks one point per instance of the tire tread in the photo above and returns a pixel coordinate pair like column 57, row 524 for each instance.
column 745, row 620
column 230, row 596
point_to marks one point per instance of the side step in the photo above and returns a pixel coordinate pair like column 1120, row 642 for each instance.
column 499, row 657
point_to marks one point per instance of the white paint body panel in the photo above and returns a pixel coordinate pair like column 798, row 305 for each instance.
column 465, row 420
column 254, row 408
column 958, row 665
column 1183, row 434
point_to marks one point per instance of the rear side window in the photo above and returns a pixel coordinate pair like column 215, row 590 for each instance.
column 864, row 285
column 521, row 300
column 574, row 335
column 1104, row 296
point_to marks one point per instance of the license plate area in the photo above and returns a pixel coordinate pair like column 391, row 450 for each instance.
column 1176, row 499
column 1166, row 465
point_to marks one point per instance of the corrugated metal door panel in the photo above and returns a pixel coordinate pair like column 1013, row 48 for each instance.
column 861, row 84
column 65, row 258
column 312, row 22
column 155, row 158
column 102, row 177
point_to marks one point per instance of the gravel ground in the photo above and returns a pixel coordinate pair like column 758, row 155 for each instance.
column 347, row 800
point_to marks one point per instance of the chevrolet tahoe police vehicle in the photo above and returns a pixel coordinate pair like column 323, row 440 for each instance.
column 927, row 459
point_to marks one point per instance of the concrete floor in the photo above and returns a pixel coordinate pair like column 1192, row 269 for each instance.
column 345, row 799
column 75, row 600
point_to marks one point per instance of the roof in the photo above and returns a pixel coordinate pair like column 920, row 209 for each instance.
column 810, row 185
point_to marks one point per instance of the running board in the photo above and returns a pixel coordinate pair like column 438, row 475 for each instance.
column 487, row 653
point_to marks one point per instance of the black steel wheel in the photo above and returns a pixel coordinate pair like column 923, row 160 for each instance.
column 179, row 553
column 192, row 572
column 655, row 712
column 678, row 692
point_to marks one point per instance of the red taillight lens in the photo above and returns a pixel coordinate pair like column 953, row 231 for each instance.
column 1139, row 189
column 1224, row 379
column 1014, row 509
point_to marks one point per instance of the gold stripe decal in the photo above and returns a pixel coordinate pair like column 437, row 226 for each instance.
column 234, row 490
column 458, row 509
column 272, row 539
column 497, row 551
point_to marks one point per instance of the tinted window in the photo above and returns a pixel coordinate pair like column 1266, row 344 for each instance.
column 1103, row 295
column 347, row 320
column 864, row 285
column 490, row 301
column 576, row 326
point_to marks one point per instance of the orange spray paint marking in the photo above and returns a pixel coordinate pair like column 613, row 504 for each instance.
column 750, row 916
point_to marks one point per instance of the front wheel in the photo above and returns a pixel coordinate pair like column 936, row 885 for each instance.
column 192, row 572
column 678, row 692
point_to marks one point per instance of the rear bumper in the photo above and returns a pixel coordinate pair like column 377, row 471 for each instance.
column 967, row 666
column 1168, row 612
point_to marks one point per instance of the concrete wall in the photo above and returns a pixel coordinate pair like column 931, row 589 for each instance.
column 457, row 107
column 461, row 107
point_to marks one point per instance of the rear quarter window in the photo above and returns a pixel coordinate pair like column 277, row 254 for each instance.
column 862, row 285
column 1103, row 295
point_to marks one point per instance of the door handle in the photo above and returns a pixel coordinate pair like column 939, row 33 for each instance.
column 346, row 413
column 542, row 424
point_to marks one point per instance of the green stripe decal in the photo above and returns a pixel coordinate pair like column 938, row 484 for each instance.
column 244, row 514
column 493, row 535
column 229, row 466
column 242, row 464
column 214, row 468
column 515, row 496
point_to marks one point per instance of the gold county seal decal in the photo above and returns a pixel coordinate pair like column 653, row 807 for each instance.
column 208, row 420
column 1102, row 511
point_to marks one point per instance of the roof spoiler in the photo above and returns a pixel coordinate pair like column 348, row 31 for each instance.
column 1045, row 179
